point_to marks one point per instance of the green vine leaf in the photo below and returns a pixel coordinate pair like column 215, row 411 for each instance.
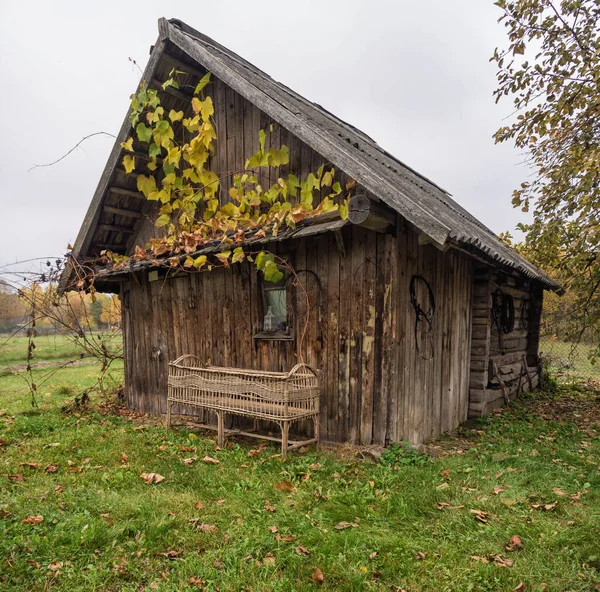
column 144, row 133
column 203, row 82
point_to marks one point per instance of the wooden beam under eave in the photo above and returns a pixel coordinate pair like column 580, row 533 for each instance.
column 179, row 65
column 114, row 228
column 171, row 90
column 364, row 212
column 122, row 212
column 427, row 240
column 126, row 192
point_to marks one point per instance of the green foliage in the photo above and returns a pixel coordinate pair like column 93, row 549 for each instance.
column 401, row 454
column 551, row 70
column 193, row 212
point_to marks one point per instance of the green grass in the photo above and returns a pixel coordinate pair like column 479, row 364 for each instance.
column 108, row 528
column 54, row 348
column 571, row 360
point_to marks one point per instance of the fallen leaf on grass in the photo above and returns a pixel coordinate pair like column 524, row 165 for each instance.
column 75, row 469
column 420, row 556
column 206, row 528
column 286, row 486
column 56, row 566
column 124, row 458
column 343, row 525
column 31, row 465
column 269, row 507
column 520, row 587
column 444, row 485
column 446, row 474
column 254, row 452
column 218, row 564
column 545, row 507
column 273, row 529
column 51, row 468
column 480, row 515
column 15, row 478
column 514, row 543
column 209, row 460
column 152, row 478
column 198, row 505
column 302, row 551
column 560, row 492
column 33, row 520
column 286, row 538
column 189, row 461
column 4, row 513
column 58, row 488
column 170, row 554
column 35, row 564
column 314, row 466
column 373, row 555
column 183, row 448
column 269, row 559
column 495, row 559
column 317, row 576
column 443, row 505
column 498, row 490
column 198, row 582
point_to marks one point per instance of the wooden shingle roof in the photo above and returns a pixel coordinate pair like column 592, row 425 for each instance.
column 420, row 201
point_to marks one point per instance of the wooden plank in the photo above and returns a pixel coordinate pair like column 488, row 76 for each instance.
column 357, row 256
column 332, row 341
column 344, row 327
column 369, row 317
column 121, row 212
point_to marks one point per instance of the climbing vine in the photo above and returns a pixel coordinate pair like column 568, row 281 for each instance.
column 192, row 211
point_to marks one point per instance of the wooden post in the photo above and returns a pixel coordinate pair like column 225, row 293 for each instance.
column 169, row 405
column 220, row 429
column 501, row 383
column 285, row 428
column 366, row 213
column 527, row 372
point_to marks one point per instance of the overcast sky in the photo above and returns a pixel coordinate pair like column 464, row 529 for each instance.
column 415, row 76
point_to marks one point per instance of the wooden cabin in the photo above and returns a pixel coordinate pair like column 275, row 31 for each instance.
column 417, row 316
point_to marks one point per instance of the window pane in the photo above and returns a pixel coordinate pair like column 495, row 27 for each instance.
column 276, row 299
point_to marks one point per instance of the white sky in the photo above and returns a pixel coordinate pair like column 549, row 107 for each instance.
column 415, row 76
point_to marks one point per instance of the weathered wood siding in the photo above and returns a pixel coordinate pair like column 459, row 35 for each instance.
column 360, row 329
column 507, row 351
column 359, row 332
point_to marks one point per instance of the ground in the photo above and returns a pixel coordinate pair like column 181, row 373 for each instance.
column 508, row 500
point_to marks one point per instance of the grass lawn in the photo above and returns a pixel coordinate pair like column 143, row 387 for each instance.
column 80, row 517
column 571, row 361
column 48, row 348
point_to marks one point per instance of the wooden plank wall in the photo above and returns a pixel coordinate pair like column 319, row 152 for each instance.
column 507, row 351
column 359, row 332
column 360, row 324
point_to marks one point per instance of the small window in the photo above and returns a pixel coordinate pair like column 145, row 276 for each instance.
column 276, row 320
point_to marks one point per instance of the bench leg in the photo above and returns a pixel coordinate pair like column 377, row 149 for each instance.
column 169, row 405
column 285, row 428
column 317, row 431
column 220, row 429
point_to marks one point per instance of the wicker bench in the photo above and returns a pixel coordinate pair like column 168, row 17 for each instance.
column 281, row 397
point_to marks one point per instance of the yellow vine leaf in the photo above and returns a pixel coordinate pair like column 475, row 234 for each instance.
column 175, row 115
column 128, row 145
column 129, row 163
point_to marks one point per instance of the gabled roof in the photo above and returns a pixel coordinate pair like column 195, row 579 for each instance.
column 420, row 201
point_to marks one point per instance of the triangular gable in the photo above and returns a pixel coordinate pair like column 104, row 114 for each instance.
column 414, row 197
